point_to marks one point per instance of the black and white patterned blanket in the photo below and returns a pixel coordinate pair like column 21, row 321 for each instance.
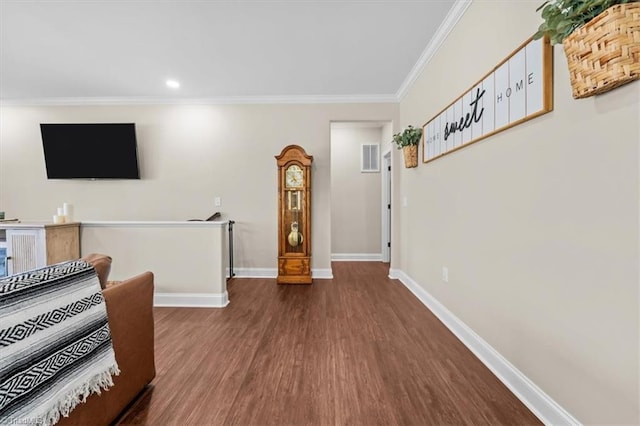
column 55, row 343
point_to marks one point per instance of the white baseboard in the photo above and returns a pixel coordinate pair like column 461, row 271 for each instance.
column 255, row 272
column 273, row 273
column 541, row 404
column 322, row 274
column 394, row 274
column 191, row 300
column 356, row 257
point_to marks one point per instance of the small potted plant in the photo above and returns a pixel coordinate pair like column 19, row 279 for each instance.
column 601, row 39
column 408, row 141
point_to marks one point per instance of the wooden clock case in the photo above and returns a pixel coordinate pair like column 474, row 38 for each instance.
column 294, row 216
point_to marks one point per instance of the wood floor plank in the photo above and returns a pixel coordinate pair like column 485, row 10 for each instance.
column 359, row 349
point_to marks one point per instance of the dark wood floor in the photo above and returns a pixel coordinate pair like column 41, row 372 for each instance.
column 356, row 350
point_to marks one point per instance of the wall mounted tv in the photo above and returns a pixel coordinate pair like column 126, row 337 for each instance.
column 90, row 151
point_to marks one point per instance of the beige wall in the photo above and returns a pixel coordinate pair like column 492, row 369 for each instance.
column 188, row 155
column 356, row 197
column 538, row 225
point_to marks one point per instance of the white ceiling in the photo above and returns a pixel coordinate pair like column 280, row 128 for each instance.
column 126, row 50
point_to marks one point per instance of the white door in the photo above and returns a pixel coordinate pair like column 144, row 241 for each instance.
column 25, row 250
column 386, row 207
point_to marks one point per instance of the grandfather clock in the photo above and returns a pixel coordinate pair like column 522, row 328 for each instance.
column 294, row 216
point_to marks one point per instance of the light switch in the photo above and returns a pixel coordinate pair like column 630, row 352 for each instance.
column 217, row 202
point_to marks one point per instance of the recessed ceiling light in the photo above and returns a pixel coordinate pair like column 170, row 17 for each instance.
column 173, row 84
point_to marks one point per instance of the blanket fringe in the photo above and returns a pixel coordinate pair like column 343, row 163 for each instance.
column 96, row 384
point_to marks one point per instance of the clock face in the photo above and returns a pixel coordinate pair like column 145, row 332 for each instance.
column 294, row 177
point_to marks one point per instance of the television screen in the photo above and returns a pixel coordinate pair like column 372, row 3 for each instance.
column 90, row 151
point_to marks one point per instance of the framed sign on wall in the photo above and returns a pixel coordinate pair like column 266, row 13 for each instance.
column 516, row 90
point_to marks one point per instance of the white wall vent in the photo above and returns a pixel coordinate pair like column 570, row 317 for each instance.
column 370, row 158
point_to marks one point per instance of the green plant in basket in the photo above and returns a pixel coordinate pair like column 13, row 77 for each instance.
column 562, row 17
column 409, row 137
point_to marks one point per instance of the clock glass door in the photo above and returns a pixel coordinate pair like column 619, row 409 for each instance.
column 295, row 220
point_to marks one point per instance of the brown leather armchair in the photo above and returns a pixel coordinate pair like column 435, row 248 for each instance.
column 130, row 314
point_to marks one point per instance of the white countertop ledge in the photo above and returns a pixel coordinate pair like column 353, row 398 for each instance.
column 154, row 224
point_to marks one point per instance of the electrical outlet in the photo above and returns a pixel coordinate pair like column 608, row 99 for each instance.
column 217, row 201
column 445, row 274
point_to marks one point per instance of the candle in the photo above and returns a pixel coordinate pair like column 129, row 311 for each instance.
column 67, row 210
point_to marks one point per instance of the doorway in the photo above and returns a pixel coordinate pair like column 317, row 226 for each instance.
column 360, row 159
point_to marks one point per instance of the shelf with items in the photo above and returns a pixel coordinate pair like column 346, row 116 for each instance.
column 37, row 244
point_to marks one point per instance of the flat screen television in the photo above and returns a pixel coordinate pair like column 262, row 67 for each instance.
column 90, row 151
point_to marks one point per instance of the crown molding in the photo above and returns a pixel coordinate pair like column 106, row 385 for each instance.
column 229, row 100
column 439, row 37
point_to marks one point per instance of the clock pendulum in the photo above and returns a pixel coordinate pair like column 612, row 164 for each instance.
column 295, row 236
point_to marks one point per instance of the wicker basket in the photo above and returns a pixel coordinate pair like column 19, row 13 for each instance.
column 605, row 52
column 410, row 154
